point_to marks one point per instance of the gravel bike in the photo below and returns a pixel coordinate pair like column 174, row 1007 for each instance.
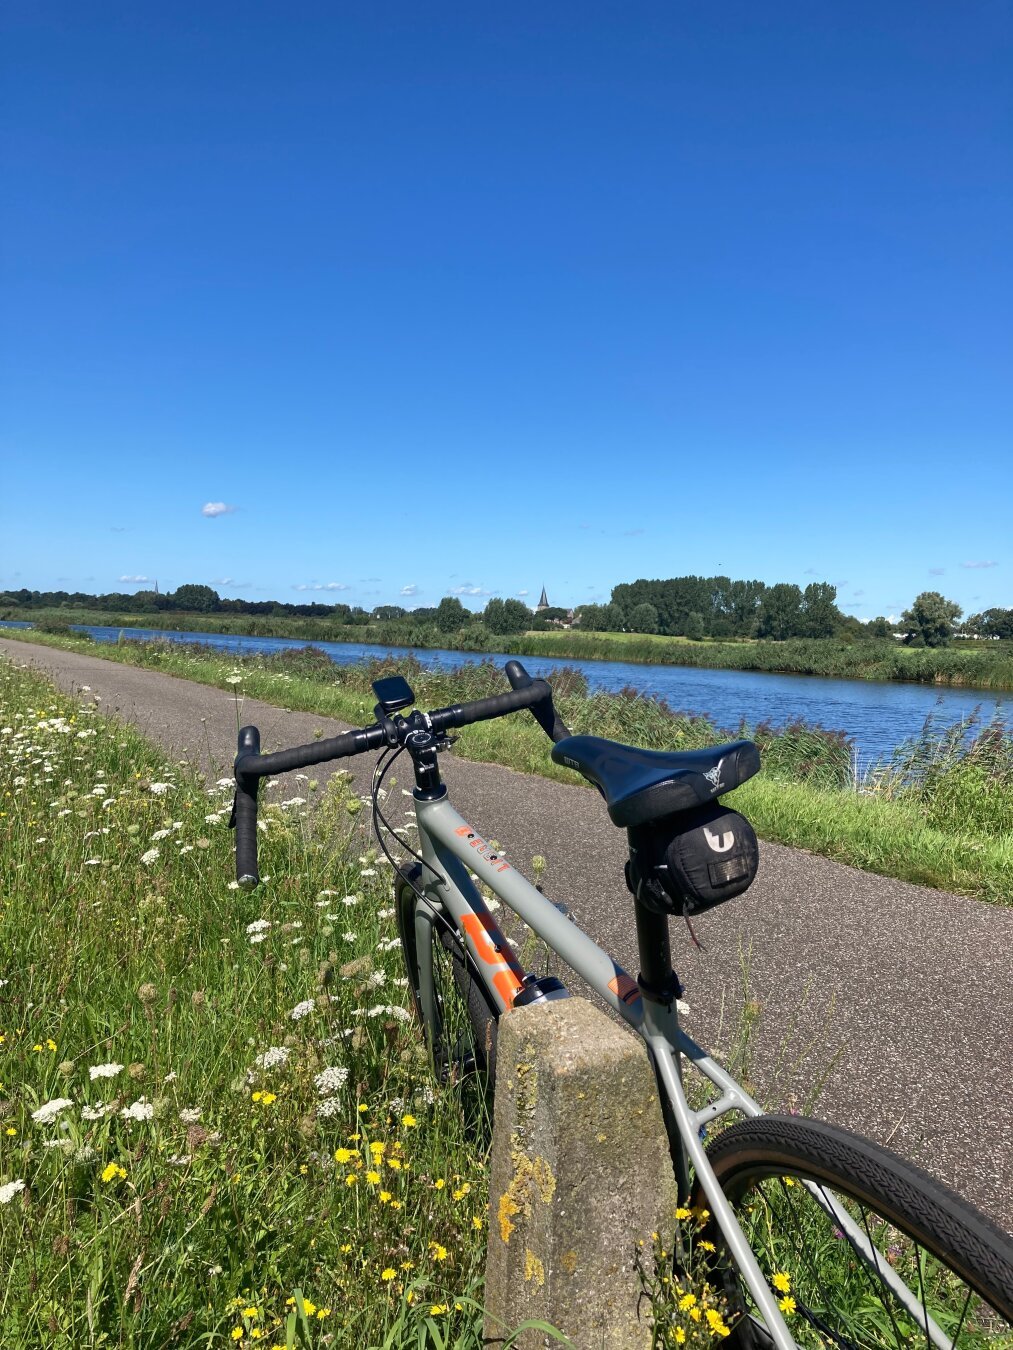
column 820, row 1238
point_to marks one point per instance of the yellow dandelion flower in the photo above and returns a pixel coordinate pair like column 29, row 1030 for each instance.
column 787, row 1304
column 377, row 1148
column 322, row 1313
column 385, row 1197
column 395, row 1163
column 389, row 1274
column 363, row 1108
column 680, row 1336
column 706, row 1246
column 476, row 1221
column 373, row 1178
column 683, row 1213
column 438, row 1251
column 237, row 1333
column 409, row 1121
column 439, row 1183
column 351, row 1179
column 781, row 1281
column 250, row 1312
column 687, row 1301
column 343, row 1155
column 437, row 1308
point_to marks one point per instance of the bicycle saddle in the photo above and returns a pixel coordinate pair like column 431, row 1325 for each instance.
column 642, row 785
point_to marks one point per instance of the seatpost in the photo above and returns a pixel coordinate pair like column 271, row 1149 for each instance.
column 658, row 981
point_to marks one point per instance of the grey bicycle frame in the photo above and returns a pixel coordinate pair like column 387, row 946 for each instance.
column 453, row 850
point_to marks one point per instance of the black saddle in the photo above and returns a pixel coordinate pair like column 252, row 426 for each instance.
column 642, row 785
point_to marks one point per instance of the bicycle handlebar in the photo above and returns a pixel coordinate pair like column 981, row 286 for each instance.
column 251, row 766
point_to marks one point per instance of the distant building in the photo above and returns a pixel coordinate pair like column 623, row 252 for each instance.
column 543, row 603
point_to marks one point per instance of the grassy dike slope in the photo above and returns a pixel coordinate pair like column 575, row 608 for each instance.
column 959, row 838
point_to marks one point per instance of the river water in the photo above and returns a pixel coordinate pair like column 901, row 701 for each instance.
column 877, row 715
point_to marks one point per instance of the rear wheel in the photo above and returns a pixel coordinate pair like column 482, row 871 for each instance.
column 782, row 1174
column 461, row 1033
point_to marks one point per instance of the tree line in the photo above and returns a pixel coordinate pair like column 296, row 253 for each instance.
column 692, row 607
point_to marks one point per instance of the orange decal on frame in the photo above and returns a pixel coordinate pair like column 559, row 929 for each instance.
column 625, row 988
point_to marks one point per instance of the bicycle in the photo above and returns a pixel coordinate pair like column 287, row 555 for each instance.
column 873, row 1250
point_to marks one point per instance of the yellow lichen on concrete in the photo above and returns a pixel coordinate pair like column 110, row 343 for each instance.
column 544, row 1180
column 569, row 1262
column 533, row 1267
column 507, row 1209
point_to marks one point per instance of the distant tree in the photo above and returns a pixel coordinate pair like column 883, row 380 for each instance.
column 195, row 599
column 929, row 622
column 992, row 623
column 693, row 628
column 385, row 613
column 555, row 612
column 506, row 616
column 820, row 615
column 879, row 627
column 602, row 618
column 644, row 618
column 450, row 614
column 780, row 614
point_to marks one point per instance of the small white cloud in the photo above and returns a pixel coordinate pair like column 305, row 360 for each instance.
column 335, row 586
column 937, row 571
column 523, row 593
column 321, row 586
column 410, row 590
column 222, row 581
column 135, row 580
column 211, row 509
column 469, row 589
column 978, row 564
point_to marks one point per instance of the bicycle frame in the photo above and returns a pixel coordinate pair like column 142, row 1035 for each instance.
column 450, row 847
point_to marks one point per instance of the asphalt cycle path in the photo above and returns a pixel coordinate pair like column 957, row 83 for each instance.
column 881, row 1006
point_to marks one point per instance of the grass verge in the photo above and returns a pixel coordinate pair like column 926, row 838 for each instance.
column 216, row 1125
column 942, row 816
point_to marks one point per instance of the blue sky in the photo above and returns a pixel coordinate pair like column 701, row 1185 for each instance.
column 459, row 298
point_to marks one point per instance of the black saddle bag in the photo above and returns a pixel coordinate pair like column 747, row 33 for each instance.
column 688, row 863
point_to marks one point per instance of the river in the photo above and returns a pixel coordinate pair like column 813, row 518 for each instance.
column 878, row 715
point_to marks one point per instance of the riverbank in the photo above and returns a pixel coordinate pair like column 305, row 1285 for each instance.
column 980, row 665
column 943, row 818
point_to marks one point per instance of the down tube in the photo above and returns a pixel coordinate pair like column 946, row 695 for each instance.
column 443, row 824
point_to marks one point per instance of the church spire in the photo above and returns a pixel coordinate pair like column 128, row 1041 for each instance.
column 543, row 602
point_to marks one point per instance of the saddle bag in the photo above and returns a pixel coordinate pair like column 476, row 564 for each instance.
column 688, row 863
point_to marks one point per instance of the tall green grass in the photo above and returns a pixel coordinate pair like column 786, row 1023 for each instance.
column 217, row 1124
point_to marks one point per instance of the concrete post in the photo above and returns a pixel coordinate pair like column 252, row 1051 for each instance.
column 580, row 1171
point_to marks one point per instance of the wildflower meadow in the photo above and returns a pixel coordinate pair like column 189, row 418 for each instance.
column 217, row 1126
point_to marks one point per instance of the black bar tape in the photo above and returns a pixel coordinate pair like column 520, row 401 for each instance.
column 543, row 712
column 244, row 812
column 301, row 756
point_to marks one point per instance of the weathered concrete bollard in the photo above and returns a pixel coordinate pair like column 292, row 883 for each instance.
column 580, row 1172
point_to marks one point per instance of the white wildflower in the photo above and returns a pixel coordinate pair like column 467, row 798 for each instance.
column 273, row 1055
column 104, row 1071
column 142, row 1109
column 190, row 1115
column 330, row 1106
column 160, row 834
column 294, row 801
column 302, row 1010
column 51, row 1110
column 368, row 872
column 98, row 1111
column 350, row 900
column 258, row 926
column 151, row 856
column 331, row 1079
column 160, row 789
column 8, row 1192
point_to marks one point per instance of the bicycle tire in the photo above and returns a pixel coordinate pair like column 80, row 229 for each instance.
column 459, row 990
column 962, row 1263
